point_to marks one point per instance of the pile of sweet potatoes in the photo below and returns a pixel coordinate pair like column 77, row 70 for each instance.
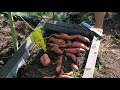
column 71, row 46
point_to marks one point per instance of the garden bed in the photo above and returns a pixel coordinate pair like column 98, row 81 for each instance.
column 34, row 69
column 6, row 47
column 25, row 62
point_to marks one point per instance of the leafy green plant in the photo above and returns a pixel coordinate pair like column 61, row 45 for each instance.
column 14, row 36
column 36, row 36
column 77, row 74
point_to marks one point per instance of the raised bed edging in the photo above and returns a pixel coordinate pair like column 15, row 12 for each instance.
column 61, row 27
column 19, row 58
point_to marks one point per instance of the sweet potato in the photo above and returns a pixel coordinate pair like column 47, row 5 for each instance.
column 66, row 45
column 74, row 50
column 52, row 45
column 57, row 50
column 74, row 67
column 59, row 61
column 45, row 60
column 65, row 76
column 64, row 36
column 58, row 68
column 46, row 77
column 82, row 38
column 57, row 41
column 69, row 73
column 72, row 56
column 61, row 73
column 79, row 45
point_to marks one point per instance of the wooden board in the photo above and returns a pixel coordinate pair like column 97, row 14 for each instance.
column 92, row 57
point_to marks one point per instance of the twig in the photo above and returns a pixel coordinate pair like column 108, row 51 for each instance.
column 25, row 21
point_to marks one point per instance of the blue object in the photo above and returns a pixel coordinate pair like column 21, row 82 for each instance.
column 87, row 25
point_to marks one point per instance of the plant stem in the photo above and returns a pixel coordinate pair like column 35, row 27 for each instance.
column 25, row 21
column 14, row 36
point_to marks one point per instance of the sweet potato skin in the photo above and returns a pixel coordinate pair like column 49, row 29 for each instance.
column 64, row 36
column 74, row 67
column 52, row 45
column 74, row 50
column 57, row 50
column 57, row 41
column 77, row 44
column 72, row 56
column 82, row 38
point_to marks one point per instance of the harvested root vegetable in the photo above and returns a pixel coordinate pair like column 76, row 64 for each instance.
column 59, row 61
column 57, row 50
column 64, row 36
column 58, row 68
column 72, row 56
column 61, row 73
column 57, row 41
column 66, row 45
column 79, row 45
column 74, row 67
column 52, row 45
column 46, row 77
column 49, row 77
column 74, row 50
column 45, row 60
column 69, row 73
column 53, row 77
column 65, row 76
column 82, row 38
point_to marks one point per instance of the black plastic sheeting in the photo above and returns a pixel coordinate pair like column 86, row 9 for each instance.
column 30, row 19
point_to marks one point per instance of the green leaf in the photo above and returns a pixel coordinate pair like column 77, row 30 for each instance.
column 37, row 37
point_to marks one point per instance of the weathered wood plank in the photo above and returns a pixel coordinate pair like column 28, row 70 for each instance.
column 92, row 57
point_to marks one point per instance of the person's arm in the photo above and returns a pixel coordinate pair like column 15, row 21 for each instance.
column 99, row 19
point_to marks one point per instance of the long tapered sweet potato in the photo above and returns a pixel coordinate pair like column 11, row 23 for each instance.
column 66, row 45
column 64, row 36
column 57, row 41
column 82, row 38
column 79, row 45
column 58, row 68
column 74, row 67
column 52, row 45
column 57, row 50
column 72, row 56
column 59, row 61
column 74, row 50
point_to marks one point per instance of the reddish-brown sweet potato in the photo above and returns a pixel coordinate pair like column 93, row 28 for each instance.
column 74, row 50
column 66, row 45
column 77, row 44
column 52, row 45
column 59, row 61
column 69, row 73
column 64, row 36
column 57, row 50
column 57, row 41
column 45, row 60
column 58, row 68
column 65, row 76
column 82, row 38
column 72, row 56
column 74, row 67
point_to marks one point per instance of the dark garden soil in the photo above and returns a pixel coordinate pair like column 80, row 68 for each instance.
column 6, row 47
column 108, row 62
